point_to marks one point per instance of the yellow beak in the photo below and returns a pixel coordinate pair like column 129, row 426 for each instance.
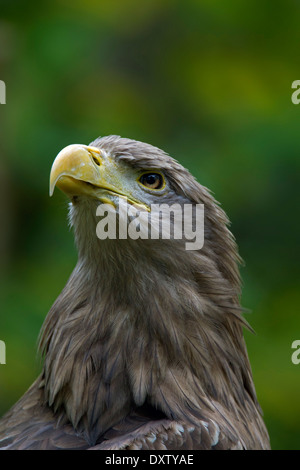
column 74, row 167
column 82, row 170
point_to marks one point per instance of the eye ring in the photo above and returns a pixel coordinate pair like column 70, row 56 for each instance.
column 152, row 180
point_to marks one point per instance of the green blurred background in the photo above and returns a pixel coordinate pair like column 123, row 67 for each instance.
column 209, row 82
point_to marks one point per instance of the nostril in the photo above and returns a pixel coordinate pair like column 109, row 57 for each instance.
column 96, row 161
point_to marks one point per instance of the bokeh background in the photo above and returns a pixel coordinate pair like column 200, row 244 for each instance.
column 206, row 80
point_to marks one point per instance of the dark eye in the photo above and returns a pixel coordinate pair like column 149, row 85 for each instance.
column 152, row 180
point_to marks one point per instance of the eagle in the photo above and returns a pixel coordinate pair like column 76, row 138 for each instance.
column 144, row 347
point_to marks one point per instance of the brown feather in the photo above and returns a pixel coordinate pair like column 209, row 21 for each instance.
column 144, row 347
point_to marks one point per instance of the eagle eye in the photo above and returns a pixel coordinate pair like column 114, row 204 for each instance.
column 152, row 180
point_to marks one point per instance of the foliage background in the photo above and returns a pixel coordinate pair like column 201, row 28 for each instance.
column 208, row 81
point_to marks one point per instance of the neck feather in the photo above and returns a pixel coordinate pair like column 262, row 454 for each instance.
column 145, row 321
